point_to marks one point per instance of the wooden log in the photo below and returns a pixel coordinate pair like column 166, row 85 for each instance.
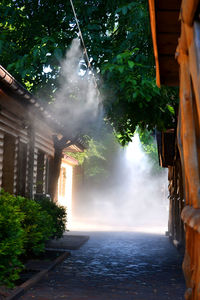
column 188, row 9
column 189, row 139
column 154, row 38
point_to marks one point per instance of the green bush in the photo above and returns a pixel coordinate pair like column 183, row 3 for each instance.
column 12, row 237
column 25, row 226
column 58, row 214
column 37, row 224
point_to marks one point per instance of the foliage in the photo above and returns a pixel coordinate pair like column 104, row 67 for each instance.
column 25, row 226
column 37, row 224
column 118, row 39
column 12, row 238
column 99, row 158
column 147, row 139
column 58, row 214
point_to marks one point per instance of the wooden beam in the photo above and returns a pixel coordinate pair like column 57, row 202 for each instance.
column 153, row 31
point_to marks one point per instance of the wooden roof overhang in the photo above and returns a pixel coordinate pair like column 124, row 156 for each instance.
column 165, row 27
column 10, row 86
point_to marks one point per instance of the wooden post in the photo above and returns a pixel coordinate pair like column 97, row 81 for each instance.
column 59, row 145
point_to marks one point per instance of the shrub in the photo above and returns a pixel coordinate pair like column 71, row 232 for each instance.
column 25, row 226
column 12, row 237
column 58, row 214
column 37, row 224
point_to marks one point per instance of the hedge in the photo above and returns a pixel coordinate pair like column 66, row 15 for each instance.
column 25, row 226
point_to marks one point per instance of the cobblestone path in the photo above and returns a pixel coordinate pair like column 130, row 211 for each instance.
column 119, row 266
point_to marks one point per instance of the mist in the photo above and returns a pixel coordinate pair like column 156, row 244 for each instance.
column 133, row 198
column 77, row 100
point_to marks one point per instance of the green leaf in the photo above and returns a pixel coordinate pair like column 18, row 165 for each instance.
column 171, row 109
column 121, row 69
column 124, row 10
column 58, row 53
column 131, row 64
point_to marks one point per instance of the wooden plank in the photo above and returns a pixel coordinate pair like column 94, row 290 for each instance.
column 167, row 43
column 188, row 10
column 193, row 39
column 13, row 106
column 9, row 123
column 168, row 22
column 168, row 5
column 11, row 117
column 47, row 139
column 189, row 138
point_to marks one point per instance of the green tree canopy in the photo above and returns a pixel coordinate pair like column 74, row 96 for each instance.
column 34, row 37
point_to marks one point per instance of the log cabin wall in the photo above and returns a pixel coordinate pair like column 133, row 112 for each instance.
column 188, row 131
column 176, row 204
column 189, row 141
column 169, row 157
column 26, row 146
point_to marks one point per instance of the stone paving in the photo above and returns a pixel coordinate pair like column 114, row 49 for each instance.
column 118, row 266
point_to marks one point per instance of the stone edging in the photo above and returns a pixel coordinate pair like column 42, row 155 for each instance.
column 19, row 291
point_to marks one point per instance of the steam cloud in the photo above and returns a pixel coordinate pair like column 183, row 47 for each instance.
column 134, row 198
column 77, row 100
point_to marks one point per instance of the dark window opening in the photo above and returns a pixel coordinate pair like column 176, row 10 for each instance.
column 21, row 167
column 8, row 163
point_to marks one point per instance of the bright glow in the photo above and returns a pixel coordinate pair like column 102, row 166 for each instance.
column 47, row 69
column 96, row 227
column 133, row 200
column 133, row 152
column 65, row 190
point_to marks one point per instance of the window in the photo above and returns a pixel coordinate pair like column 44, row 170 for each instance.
column 21, row 169
column 8, row 163
column 40, row 173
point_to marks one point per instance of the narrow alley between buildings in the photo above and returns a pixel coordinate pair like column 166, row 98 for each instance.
column 116, row 265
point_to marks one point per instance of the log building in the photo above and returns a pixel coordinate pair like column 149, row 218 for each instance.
column 175, row 26
column 29, row 136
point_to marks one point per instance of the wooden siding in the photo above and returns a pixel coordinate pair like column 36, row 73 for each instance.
column 20, row 122
column 188, row 129
column 1, row 155
column 44, row 143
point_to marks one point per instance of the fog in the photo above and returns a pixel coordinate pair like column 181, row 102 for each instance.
column 134, row 198
column 77, row 100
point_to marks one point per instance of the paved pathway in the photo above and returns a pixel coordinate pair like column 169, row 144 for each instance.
column 118, row 266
